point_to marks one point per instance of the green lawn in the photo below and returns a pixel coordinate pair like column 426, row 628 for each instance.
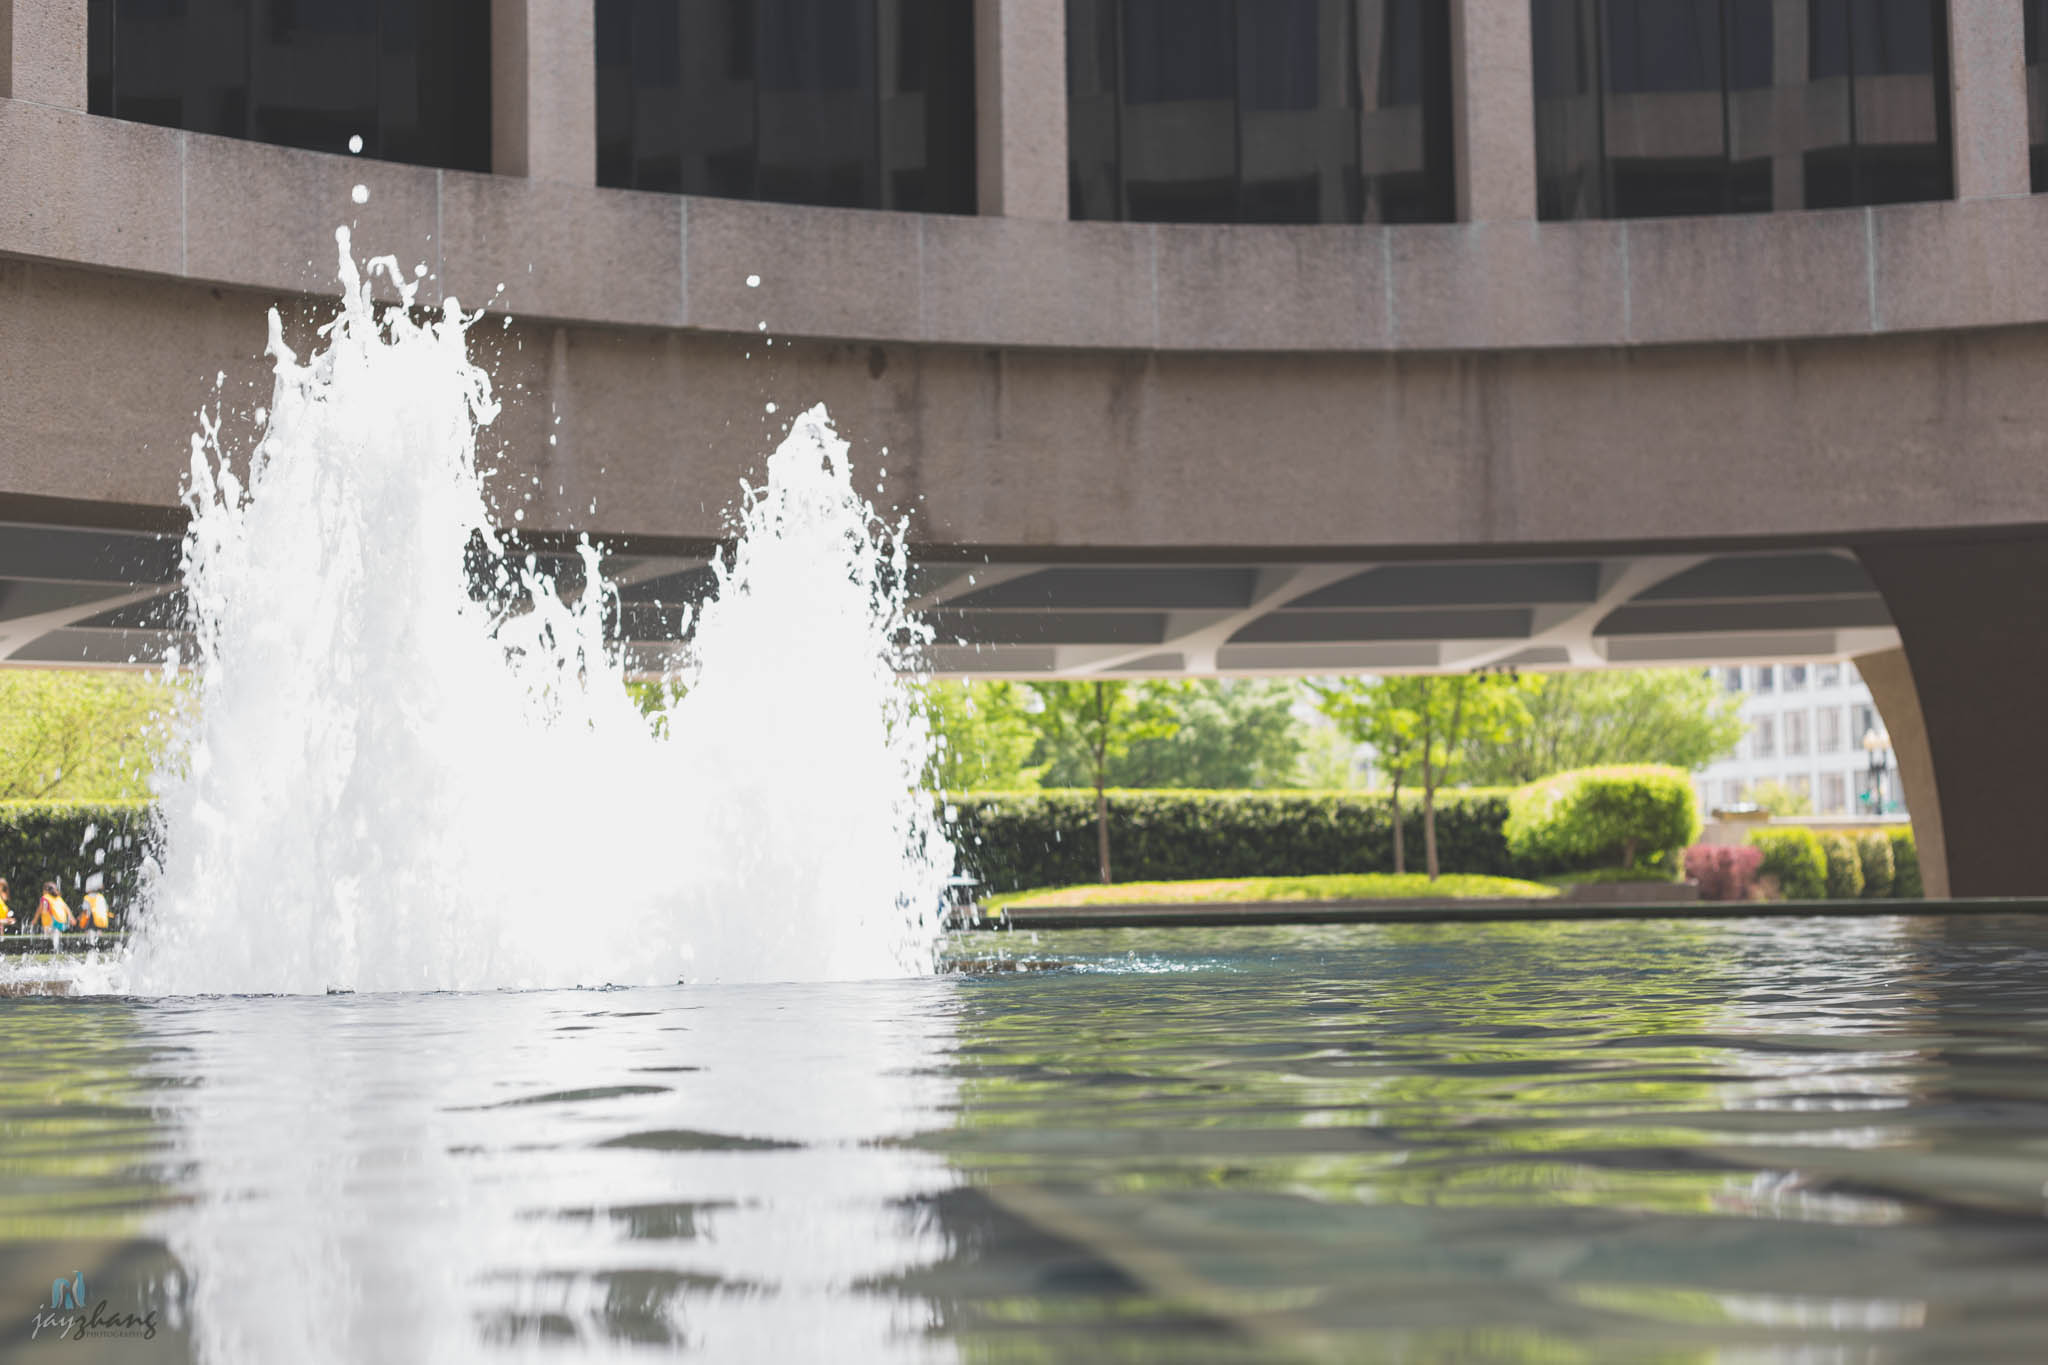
column 1608, row 876
column 1365, row 886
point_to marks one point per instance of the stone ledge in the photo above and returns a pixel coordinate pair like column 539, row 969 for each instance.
column 1472, row 911
column 130, row 197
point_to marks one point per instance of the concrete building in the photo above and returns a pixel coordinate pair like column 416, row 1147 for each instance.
column 1814, row 729
column 1203, row 335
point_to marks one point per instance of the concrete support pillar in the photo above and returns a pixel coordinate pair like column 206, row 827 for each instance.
column 544, row 90
column 1493, row 110
column 42, row 51
column 1988, row 97
column 1973, row 616
column 1890, row 679
column 1020, row 107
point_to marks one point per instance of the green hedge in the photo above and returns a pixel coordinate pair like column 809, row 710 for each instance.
column 1875, row 851
column 68, row 841
column 1845, row 867
column 1906, row 884
column 1809, row 864
column 1795, row 857
column 1633, row 816
column 1012, row 841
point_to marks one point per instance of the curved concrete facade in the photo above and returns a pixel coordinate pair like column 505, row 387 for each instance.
column 1661, row 434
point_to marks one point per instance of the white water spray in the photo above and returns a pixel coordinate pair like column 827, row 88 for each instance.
column 391, row 785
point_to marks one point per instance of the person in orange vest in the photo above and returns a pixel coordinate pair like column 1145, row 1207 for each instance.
column 51, row 912
column 6, row 914
column 92, row 911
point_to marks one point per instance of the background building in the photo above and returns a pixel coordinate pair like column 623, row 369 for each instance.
column 1813, row 728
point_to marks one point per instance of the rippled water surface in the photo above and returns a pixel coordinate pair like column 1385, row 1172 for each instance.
column 1792, row 1140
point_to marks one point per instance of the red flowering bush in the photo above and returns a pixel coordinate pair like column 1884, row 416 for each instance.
column 1724, row 873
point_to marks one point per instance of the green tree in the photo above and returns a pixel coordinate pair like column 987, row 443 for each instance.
column 1675, row 717
column 1229, row 733
column 78, row 734
column 1327, row 759
column 1376, row 712
column 1419, row 727
column 1099, row 721
column 983, row 736
column 1453, row 710
column 1779, row 799
column 653, row 697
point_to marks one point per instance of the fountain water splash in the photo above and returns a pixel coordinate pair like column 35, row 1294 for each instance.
column 395, row 781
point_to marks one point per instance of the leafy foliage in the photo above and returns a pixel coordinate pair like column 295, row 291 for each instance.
column 1724, row 872
column 1620, row 817
column 69, row 734
column 1874, row 851
column 1014, row 840
column 983, row 733
column 1228, row 733
column 1844, row 867
column 1417, row 726
column 1779, row 799
column 1327, row 760
column 653, row 697
column 1672, row 717
column 1099, row 721
column 69, row 842
column 1213, row 733
column 1795, row 858
column 1906, row 884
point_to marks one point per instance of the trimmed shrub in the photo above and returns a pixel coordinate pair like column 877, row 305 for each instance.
column 1724, row 873
column 1795, row 859
column 1845, row 868
column 1013, row 841
column 1874, row 851
column 1906, row 883
column 68, row 842
column 1604, row 817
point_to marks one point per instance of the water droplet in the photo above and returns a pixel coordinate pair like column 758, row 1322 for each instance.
column 760, row 326
column 361, row 194
column 419, row 272
column 771, row 407
column 519, row 514
column 355, row 143
column 753, row 281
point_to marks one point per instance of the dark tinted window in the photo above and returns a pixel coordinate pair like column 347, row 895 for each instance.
column 857, row 103
column 2037, row 91
column 1660, row 107
column 409, row 77
column 1280, row 111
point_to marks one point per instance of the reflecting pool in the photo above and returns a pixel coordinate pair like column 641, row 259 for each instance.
column 1688, row 1142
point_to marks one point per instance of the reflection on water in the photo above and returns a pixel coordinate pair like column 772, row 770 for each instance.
column 1673, row 1142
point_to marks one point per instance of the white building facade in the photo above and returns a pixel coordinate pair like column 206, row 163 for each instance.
column 1814, row 729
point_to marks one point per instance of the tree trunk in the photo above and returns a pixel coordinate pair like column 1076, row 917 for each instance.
column 1102, row 831
column 1431, row 774
column 1400, row 858
column 1429, row 781
column 1101, row 777
column 1429, row 823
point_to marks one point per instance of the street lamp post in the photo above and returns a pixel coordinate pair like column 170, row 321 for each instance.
column 1876, row 745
